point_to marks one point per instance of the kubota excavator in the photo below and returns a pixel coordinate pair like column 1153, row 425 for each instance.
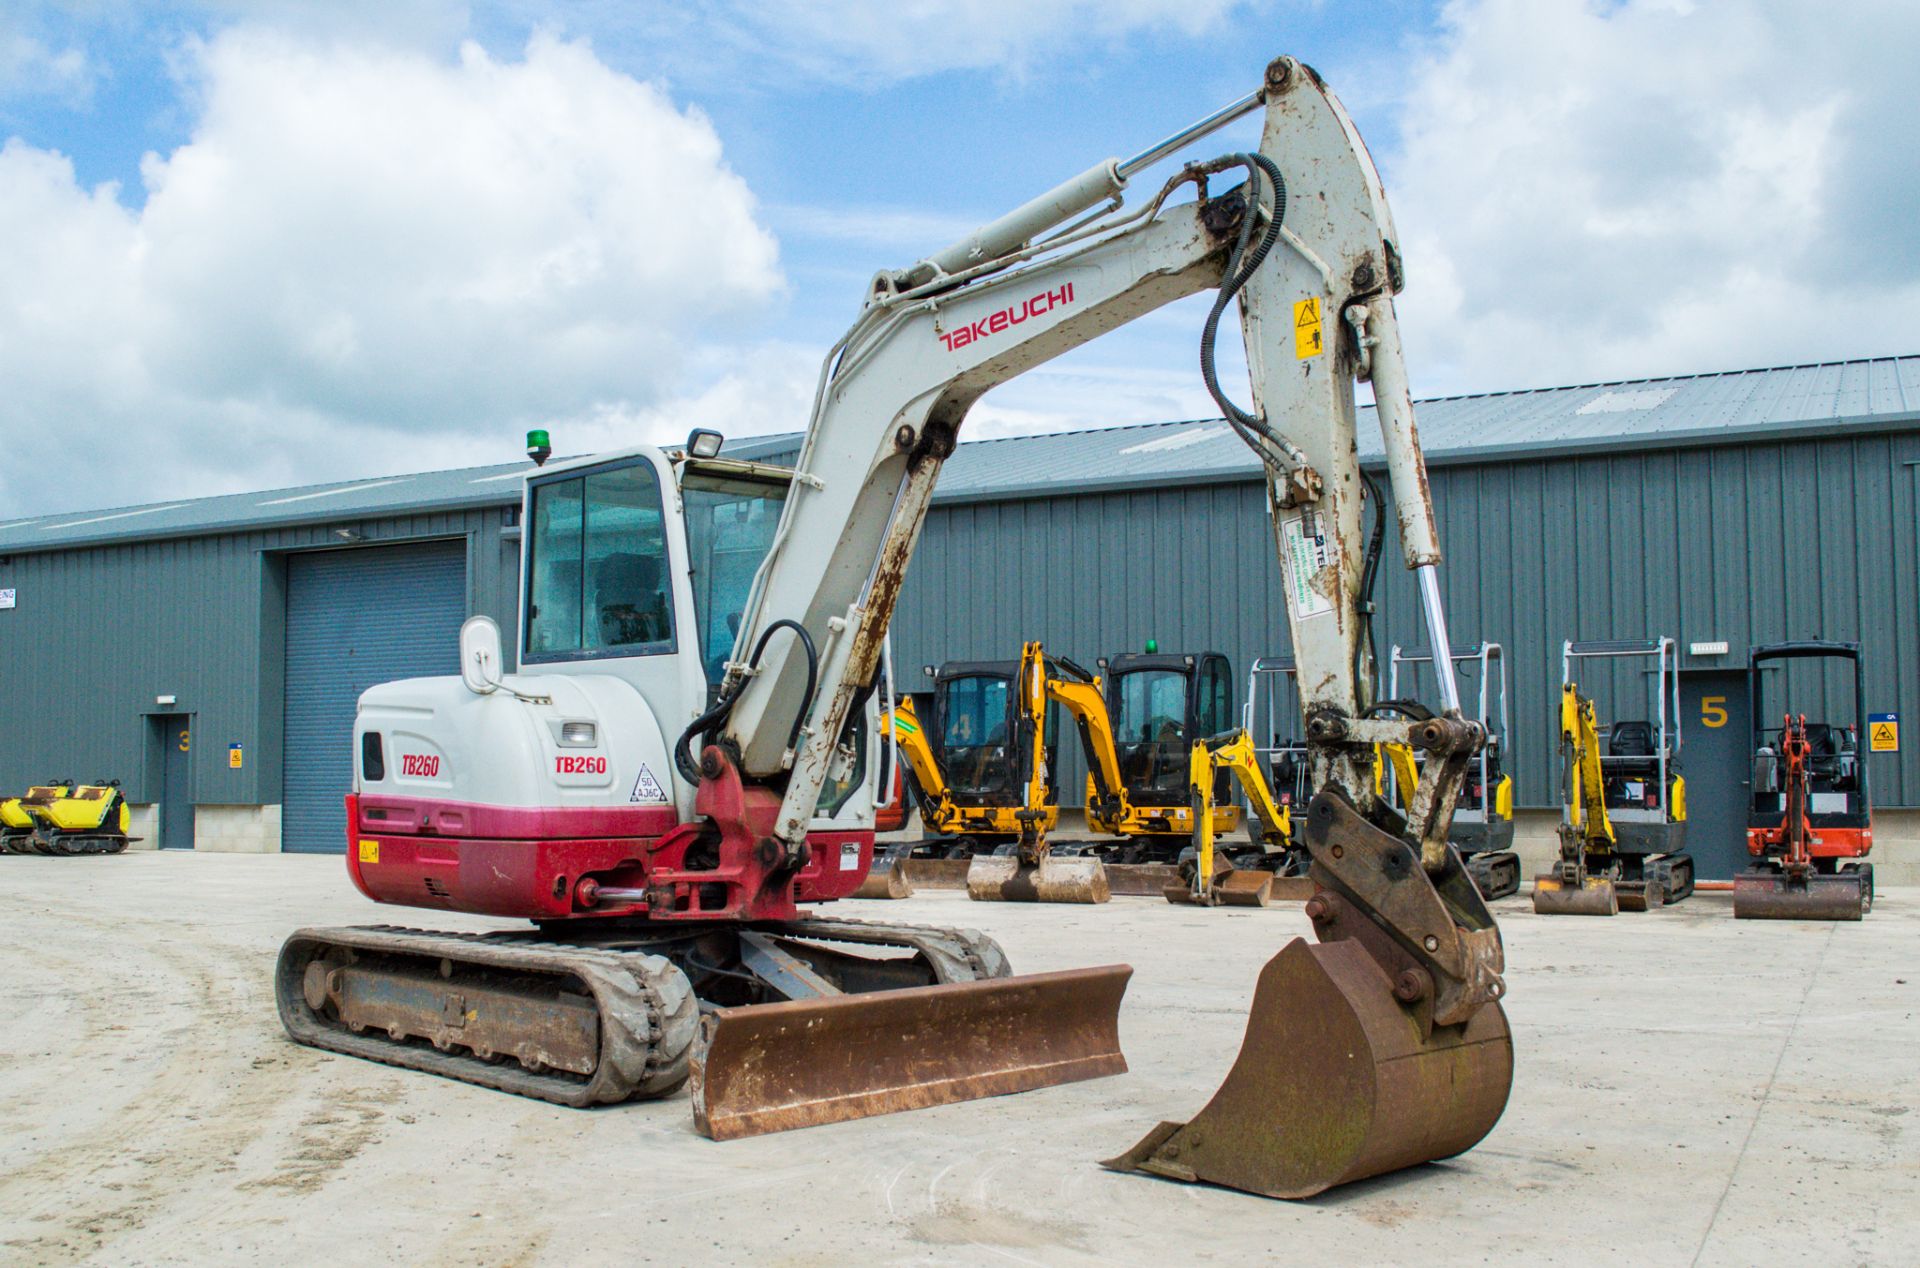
column 651, row 791
column 1810, row 824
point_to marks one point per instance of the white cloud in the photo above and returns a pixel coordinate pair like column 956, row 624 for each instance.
column 367, row 258
column 851, row 40
column 1593, row 191
column 30, row 67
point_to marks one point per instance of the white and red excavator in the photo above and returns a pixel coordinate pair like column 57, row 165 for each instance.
column 682, row 766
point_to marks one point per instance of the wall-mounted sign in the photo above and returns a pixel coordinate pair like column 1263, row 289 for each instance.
column 6, row 598
column 234, row 756
column 1718, row 648
column 1883, row 732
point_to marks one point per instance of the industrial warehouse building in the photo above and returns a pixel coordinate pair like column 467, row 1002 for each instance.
column 208, row 653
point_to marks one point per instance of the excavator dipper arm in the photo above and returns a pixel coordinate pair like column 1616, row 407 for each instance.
column 1408, row 970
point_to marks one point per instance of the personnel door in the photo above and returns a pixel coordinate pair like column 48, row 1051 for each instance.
column 1715, row 761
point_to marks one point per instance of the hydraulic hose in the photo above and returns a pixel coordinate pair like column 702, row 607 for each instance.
column 1240, row 268
column 683, row 758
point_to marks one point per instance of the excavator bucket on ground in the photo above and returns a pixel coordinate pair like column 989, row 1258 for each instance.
column 1004, row 878
column 1329, row 1052
column 806, row 1062
column 1596, row 897
column 887, row 878
column 1775, row 895
column 1242, row 887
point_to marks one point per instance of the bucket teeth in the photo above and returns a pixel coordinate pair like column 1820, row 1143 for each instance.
column 1335, row 1082
column 1002, row 878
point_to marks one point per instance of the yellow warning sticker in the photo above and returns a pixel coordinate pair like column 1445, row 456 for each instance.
column 369, row 851
column 1883, row 732
column 1306, row 328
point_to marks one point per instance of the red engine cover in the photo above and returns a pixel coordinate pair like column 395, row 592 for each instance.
column 530, row 863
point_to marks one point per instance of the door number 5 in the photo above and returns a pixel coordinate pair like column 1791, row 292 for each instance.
column 1713, row 711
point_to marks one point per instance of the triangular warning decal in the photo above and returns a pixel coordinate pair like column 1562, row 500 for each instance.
column 1306, row 313
column 647, row 789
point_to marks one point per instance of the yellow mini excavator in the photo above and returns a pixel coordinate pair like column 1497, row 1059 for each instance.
column 1245, row 881
column 1624, row 822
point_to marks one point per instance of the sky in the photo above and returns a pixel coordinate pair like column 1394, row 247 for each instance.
column 252, row 244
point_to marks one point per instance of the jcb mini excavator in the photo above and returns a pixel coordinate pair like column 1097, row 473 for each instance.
column 662, row 810
column 1623, row 829
column 1483, row 818
column 1246, row 880
column 1810, row 825
column 982, row 774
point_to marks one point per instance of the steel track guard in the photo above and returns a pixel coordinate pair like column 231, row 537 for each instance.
column 773, row 1067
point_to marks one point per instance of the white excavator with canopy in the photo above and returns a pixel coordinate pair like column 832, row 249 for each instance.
column 682, row 763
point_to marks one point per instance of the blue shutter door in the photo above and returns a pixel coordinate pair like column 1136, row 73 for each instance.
column 356, row 618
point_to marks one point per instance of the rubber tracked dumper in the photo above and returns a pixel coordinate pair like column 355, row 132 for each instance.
column 1810, row 825
column 1483, row 817
column 81, row 819
column 17, row 820
column 678, row 773
column 1623, row 829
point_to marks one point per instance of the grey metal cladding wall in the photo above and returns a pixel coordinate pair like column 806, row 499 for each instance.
column 99, row 632
column 1746, row 543
column 1191, row 566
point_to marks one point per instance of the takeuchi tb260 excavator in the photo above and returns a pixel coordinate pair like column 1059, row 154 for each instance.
column 664, row 798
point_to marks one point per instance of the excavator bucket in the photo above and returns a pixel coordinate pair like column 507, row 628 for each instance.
column 885, row 879
column 1598, row 897
column 1002, row 878
column 1334, row 1083
column 1236, row 888
column 935, row 873
column 772, row 1067
column 1141, row 880
column 1772, row 895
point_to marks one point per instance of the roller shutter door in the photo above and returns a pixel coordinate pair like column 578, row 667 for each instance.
column 356, row 618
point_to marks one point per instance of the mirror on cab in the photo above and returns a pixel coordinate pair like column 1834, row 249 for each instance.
column 481, row 664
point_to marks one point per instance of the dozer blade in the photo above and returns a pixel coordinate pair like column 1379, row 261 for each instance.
column 1001, row 878
column 1141, row 880
column 885, row 879
column 1773, row 895
column 934, row 873
column 773, row 1067
column 1334, row 1083
column 1596, row 898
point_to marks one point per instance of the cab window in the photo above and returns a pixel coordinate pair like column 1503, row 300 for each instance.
column 597, row 580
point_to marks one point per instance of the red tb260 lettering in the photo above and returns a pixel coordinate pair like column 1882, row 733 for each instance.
column 424, row 765
column 564, row 765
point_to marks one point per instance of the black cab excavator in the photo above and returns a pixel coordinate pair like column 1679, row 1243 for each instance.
column 666, row 823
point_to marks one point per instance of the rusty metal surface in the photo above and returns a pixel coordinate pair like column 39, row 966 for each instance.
column 1771, row 895
column 888, row 881
column 1334, row 1083
column 1141, row 880
column 1596, row 898
column 804, row 1063
column 934, row 873
column 1002, row 878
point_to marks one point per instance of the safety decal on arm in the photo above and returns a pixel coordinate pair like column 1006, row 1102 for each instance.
column 1304, row 547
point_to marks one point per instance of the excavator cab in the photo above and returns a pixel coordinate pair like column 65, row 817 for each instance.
column 1810, row 819
column 1483, row 814
column 1623, row 831
column 1160, row 705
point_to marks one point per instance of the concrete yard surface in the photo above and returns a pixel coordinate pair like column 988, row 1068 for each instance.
column 1690, row 1089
